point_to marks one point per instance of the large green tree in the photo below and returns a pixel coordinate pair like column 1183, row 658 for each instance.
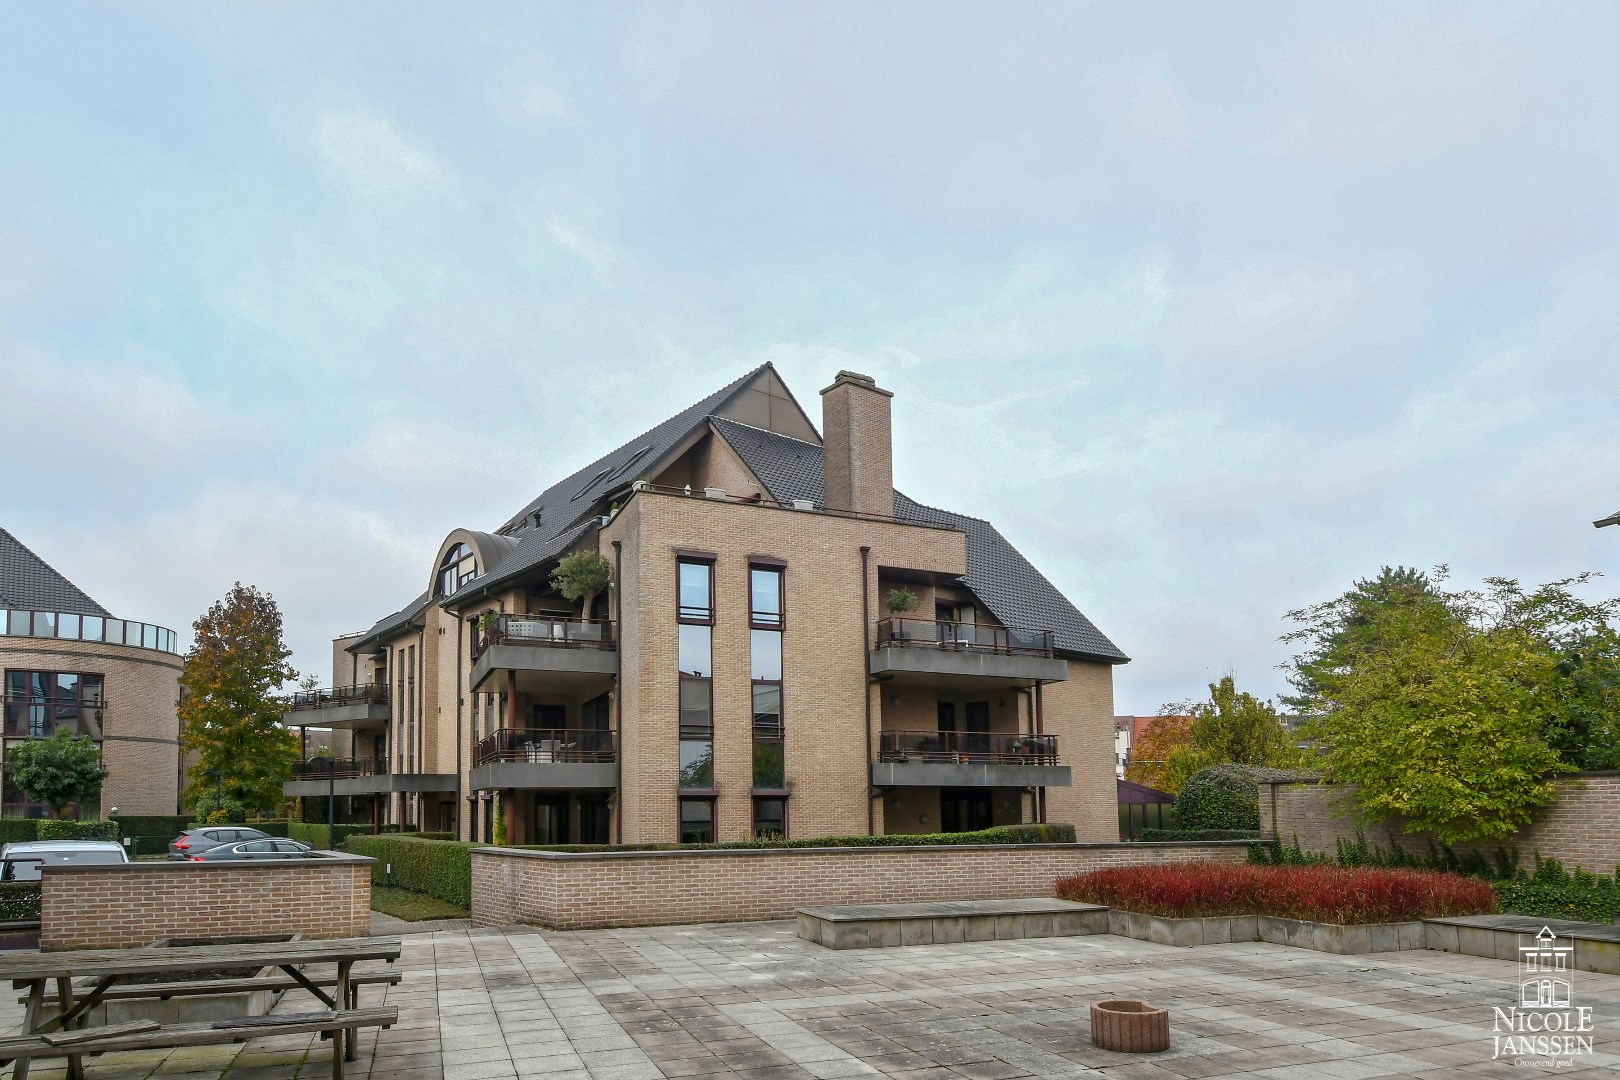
column 1454, row 709
column 230, row 707
column 57, row 771
column 1231, row 727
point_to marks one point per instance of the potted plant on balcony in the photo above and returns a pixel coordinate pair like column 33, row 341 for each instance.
column 900, row 601
column 582, row 576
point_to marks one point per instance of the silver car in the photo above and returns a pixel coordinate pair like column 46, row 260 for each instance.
column 268, row 848
column 22, row 861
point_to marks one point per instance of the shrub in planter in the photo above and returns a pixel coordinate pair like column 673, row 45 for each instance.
column 438, row 868
column 52, row 829
column 1326, row 894
column 1222, row 797
column 1552, row 892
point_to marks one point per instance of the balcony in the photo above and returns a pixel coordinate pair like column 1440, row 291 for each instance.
column 967, row 759
column 546, row 758
column 364, row 706
column 358, row 776
column 964, row 654
column 542, row 653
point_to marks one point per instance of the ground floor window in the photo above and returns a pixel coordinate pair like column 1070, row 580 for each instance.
column 697, row 821
column 770, row 817
column 965, row 810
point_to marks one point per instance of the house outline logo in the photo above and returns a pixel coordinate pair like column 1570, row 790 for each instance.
column 1545, row 969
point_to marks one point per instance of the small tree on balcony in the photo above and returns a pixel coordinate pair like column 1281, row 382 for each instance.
column 57, row 771
column 901, row 601
column 582, row 576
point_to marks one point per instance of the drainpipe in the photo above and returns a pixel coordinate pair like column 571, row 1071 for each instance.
column 618, row 691
column 866, row 685
column 1040, row 729
column 460, row 700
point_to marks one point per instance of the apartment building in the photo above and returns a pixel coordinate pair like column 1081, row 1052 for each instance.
column 67, row 664
column 746, row 672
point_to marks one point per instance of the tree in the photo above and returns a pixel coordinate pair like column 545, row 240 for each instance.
column 230, row 710
column 581, row 576
column 57, row 771
column 1455, row 709
column 1351, row 625
column 1166, row 739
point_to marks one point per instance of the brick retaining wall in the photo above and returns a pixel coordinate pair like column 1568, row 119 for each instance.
column 135, row 904
column 578, row 891
column 1579, row 829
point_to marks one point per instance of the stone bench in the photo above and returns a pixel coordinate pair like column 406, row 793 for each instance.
column 881, row 926
column 1595, row 946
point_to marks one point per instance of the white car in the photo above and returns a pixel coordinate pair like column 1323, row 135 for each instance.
column 22, row 861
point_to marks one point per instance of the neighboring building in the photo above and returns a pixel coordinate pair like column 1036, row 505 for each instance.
column 743, row 675
column 70, row 665
column 1128, row 731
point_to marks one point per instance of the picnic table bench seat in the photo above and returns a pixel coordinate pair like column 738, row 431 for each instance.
column 16, row 1047
column 137, row 991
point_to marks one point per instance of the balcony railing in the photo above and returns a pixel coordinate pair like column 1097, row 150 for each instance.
column 542, row 746
column 541, row 630
column 364, row 694
column 932, row 634
column 967, row 748
column 340, row 768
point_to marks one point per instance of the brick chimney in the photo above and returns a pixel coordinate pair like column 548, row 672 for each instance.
column 855, row 442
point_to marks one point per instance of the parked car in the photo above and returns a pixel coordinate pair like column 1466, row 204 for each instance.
column 269, row 848
column 196, row 841
column 22, row 860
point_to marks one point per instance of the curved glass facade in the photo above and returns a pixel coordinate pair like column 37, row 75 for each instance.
column 57, row 624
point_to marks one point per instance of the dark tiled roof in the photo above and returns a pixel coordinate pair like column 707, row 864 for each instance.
column 1612, row 519
column 27, row 581
column 389, row 625
column 1013, row 590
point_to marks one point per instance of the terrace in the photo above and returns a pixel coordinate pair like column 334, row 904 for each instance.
column 546, row 759
column 362, row 706
column 962, row 654
column 358, row 776
column 541, row 651
column 967, row 759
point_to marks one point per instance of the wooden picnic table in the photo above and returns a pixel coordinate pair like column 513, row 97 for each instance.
column 105, row 967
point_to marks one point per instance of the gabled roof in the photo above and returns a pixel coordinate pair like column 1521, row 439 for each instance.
column 28, row 581
column 1007, row 583
column 388, row 625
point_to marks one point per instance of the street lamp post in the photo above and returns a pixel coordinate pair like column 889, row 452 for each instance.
column 331, row 800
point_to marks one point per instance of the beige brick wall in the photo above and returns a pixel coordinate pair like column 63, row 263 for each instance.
column 135, row 904
column 1080, row 712
column 577, row 892
column 140, row 748
column 824, row 669
column 856, row 438
column 1578, row 829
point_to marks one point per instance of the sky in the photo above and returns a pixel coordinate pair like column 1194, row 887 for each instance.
column 1212, row 309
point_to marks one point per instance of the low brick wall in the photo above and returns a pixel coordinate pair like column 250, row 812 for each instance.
column 579, row 891
column 135, row 904
column 1579, row 829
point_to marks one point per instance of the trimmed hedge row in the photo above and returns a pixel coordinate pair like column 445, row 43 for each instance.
column 273, row 827
column 439, row 868
column 1180, row 835
column 18, row 830
column 51, row 829
column 167, row 825
column 322, row 836
column 1001, row 834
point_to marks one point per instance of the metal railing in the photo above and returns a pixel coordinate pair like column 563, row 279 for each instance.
column 29, row 716
column 364, row 694
column 541, row 630
column 340, row 768
column 967, row 748
column 977, row 637
column 539, row 746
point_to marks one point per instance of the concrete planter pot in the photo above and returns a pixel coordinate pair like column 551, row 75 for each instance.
column 1129, row 1027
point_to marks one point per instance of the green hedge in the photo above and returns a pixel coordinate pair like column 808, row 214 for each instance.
column 272, row 827
column 18, row 830
column 170, row 825
column 1001, row 834
column 1222, row 797
column 1178, row 835
column 433, row 835
column 316, row 835
column 19, row 901
column 437, row 868
column 52, row 829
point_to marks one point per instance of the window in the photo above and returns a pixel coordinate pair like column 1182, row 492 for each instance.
column 458, row 568
column 765, row 597
column 697, row 707
column 697, row 821
column 41, row 703
column 696, row 588
column 770, row 817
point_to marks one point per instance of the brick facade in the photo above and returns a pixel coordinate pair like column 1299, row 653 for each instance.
column 140, row 730
column 135, row 904
column 584, row 891
column 1578, row 829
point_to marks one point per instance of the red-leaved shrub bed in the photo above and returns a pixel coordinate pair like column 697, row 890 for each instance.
column 1325, row 894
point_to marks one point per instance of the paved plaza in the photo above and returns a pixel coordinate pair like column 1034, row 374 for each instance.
column 751, row 1000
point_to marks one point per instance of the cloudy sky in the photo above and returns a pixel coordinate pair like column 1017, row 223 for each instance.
column 1212, row 308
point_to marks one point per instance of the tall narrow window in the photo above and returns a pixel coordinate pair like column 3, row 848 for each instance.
column 765, row 663
column 696, row 660
column 458, row 568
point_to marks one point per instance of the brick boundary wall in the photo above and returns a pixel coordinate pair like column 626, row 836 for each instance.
column 590, row 890
column 134, row 904
column 1582, row 828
